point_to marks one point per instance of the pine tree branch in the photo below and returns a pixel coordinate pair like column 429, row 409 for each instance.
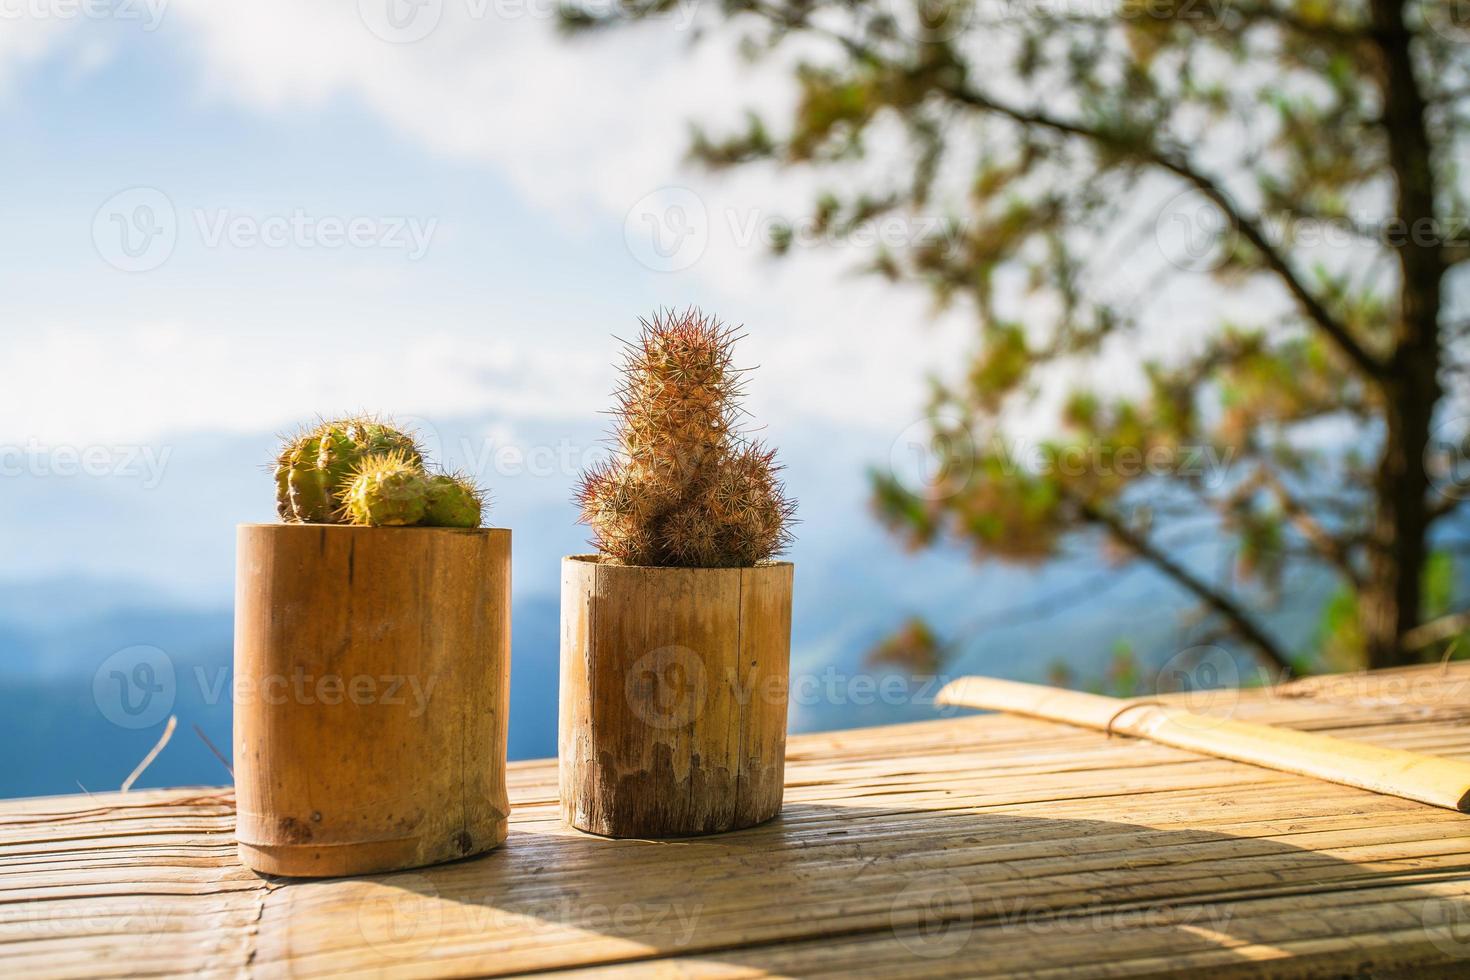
column 1179, row 166
column 1442, row 507
column 1240, row 621
column 1324, row 544
column 1448, row 95
column 1174, row 163
column 1436, row 630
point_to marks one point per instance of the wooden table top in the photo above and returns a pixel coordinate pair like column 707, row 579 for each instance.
column 957, row 847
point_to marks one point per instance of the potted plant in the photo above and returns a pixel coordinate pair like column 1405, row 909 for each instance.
column 676, row 635
column 372, row 656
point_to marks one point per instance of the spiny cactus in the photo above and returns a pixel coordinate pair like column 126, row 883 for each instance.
column 363, row 470
column 313, row 467
column 303, row 491
column 453, row 501
column 686, row 488
column 386, row 489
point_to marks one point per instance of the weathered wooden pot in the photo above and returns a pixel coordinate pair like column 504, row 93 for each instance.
column 372, row 673
column 673, row 697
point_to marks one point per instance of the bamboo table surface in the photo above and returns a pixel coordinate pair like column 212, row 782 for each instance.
column 964, row 846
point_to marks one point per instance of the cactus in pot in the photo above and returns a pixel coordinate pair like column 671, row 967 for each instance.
column 682, row 608
column 686, row 487
column 365, row 470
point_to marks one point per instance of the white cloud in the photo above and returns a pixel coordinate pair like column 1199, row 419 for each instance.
column 24, row 40
column 126, row 383
column 589, row 127
column 570, row 123
column 583, row 129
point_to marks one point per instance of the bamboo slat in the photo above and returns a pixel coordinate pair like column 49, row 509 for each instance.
column 1430, row 779
column 969, row 846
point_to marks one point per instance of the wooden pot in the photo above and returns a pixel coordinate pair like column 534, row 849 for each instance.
column 372, row 670
column 673, row 697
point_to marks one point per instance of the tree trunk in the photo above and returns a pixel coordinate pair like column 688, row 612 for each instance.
column 1389, row 605
column 1390, row 602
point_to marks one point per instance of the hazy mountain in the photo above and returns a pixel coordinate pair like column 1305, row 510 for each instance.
column 64, row 717
column 48, row 706
column 99, row 565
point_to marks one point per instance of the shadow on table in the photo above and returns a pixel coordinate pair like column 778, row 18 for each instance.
column 887, row 890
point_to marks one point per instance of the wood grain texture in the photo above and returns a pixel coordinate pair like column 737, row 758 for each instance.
column 1397, row 772
column 673, row 697
column 963, row 847
column 372, row 674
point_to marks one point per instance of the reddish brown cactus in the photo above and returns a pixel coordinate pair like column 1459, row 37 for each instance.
column 686, row 487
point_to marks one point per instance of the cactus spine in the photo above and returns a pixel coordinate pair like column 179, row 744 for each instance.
column 686, row 488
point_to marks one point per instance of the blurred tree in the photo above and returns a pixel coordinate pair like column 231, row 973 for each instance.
column 1304, row 154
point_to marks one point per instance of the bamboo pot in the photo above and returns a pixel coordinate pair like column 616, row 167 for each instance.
column 673, row 697
column 372, row 669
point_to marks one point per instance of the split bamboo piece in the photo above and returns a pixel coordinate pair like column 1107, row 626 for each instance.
column 1411, row 775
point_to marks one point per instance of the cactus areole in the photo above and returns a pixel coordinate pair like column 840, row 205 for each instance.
column 686, row 488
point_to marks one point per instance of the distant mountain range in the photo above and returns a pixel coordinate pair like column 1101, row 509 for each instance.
column 117, row 566
column 68, row 742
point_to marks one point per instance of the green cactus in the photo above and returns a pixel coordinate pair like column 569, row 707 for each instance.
column 314, row 467
column 308, row 491
column 453, row 501
column 388, row 489
column 687, row 489
column 363, row 470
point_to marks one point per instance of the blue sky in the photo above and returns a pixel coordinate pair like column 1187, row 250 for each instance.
column 534, row 173
column 545, row 182
column 525, row 198
column 546, row 177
